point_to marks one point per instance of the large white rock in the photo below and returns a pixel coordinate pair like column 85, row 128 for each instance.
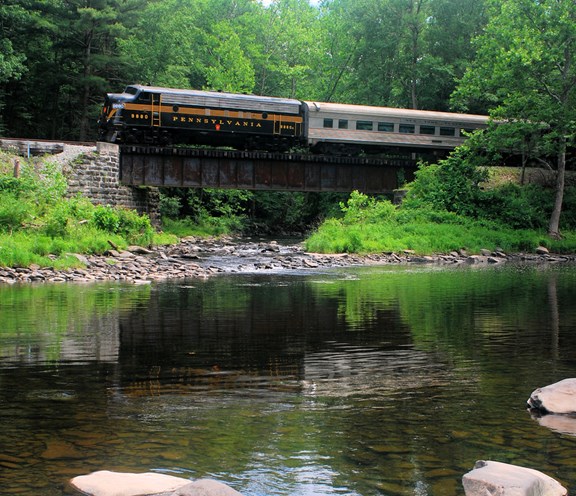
column 490, row 478
column 559, row 397
column 105, row 483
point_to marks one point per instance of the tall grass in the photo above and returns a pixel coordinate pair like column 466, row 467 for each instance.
column 363, row 229
column 40, row 226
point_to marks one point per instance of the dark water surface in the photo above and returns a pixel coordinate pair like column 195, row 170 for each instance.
column 370, row 381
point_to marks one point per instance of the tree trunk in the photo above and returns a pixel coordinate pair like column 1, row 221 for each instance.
column 84, row 119
column 554, row 225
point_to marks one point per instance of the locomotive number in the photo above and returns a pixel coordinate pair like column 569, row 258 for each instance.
column 139, row 116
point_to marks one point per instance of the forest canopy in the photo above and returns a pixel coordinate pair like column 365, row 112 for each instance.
column 59, row 57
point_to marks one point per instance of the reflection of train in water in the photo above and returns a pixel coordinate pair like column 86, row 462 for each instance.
column 162, row 116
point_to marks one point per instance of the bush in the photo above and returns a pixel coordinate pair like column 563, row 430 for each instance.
column 521, row 207
column 362, row 208
column 170, row 206
column 13, row 212
column 127, row 223
column 107, row 219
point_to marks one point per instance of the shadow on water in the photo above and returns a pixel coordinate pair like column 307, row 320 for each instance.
column 366, row 381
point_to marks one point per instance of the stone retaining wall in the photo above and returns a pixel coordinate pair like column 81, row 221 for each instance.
column 96, row 176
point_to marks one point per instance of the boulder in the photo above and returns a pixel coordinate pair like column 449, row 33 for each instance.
column 559, row 397
column 502, row 479
column 205, row 487
column 106, row 483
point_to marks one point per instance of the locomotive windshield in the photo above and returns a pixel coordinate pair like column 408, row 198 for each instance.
column 131, row 90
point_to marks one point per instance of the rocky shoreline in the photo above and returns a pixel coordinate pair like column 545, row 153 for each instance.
column 202, row 258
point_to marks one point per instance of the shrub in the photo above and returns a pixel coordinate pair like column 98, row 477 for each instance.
column 170, row 206
column 13, row 211
column 107, row 219
column 362, row 208
column 127, row 223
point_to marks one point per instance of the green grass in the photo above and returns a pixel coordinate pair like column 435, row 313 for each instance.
column 208, row 226
column 425, row 237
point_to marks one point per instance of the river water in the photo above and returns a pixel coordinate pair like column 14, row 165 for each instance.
column 359, row 381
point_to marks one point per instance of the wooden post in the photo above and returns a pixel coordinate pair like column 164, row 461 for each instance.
column 16, row 167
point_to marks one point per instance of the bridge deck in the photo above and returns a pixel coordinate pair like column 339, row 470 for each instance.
column 209, row 168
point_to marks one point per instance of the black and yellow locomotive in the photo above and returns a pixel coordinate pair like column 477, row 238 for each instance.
column 163, row 116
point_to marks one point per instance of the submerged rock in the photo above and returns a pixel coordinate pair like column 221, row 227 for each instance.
column 502, row 479
column 564, row 424
column 559, row 397
column 206, row 487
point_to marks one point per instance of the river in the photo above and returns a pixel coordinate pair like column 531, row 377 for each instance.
column 361, row 381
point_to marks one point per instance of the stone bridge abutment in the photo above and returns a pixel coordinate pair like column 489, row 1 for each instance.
column 96, row 175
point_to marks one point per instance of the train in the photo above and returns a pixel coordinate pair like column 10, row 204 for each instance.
column 166, row 116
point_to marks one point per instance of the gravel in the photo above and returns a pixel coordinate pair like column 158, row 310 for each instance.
column 70, row 153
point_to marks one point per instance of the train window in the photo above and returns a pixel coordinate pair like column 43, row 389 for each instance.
column 447, row 131
column 343, row 124
column 144, row 97
column 407, row 128
column 328, row 122
column 427, row 130
column 387, row 127
column 131, row 90
column 264, row 115
column 175, row 108
column 364, row 125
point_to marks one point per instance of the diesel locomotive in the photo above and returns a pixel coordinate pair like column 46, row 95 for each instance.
column 165, row 116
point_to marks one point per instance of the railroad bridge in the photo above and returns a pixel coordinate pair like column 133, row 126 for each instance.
column 232, row 169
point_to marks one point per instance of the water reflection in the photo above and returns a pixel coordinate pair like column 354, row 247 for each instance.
column 365, row 382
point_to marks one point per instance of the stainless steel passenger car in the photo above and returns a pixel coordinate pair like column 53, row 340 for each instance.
column 350, row 129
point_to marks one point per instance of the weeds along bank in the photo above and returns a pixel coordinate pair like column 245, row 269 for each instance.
column 41, row 225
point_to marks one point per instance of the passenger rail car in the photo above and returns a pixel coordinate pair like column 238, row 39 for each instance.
column 348, row 129
column 161, row 116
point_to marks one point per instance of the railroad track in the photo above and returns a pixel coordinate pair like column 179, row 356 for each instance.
column 35, row 140
column 28, row 147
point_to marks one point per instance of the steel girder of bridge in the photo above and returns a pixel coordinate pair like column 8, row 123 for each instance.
column 205, row 168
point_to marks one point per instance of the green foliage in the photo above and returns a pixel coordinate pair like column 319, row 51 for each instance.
column 169, row 206
column 107, row 219
column 525, row 72
column 525, row 207
column 13, row 212
column 453, row 185
column 39, row 225
column 361, row 208
column 135, row 228
column 445, row 210
column 14, row 185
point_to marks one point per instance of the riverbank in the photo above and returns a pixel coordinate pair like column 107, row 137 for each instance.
column 202, row 258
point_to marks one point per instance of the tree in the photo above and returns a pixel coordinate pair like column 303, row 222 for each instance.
column 13, row 22
column 450, row 27
column 398, row 53
column 525, row 72
column 71, row 53
column 288, row 50
column 199, row 44
column 12, row 19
